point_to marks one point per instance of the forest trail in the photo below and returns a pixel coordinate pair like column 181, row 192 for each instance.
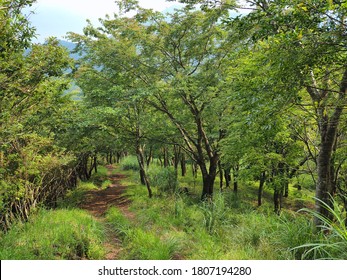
column 98, row 201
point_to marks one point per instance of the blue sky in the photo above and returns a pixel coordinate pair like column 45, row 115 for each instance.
column 57, row 17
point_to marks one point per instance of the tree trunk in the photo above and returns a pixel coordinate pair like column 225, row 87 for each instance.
column 96, row 164
column 118, row 157
column 278, row 196
column 208, row 177
column 261, row 187
column 143, row 175
column 194, row 169
column 235, row 177
column 324, row 182
column 177, row 156
column 149, row 157
column 328, row 132
column 166, row 157
column 183, row 165
column 227, row 176
column 220, row 170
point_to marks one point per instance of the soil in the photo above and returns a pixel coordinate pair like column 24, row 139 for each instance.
column 98, row 201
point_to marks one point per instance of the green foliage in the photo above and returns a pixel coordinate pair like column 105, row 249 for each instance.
column 214, row 213
column 120, row 224
column 145, row 245
column 139, row 243
column 75, row 197
column 33, row 168
column 130, row 163
column 165, row 178
column 225, row 228
column 293, row 231
column 333, row 239
column 54, row 235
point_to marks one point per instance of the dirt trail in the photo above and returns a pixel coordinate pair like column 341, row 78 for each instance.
column 98, row 201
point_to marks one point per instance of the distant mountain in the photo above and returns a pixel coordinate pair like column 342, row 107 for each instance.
column 70, row 46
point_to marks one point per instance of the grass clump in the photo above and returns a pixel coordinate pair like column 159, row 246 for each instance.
column 54, row 235
column 119, row 222
column 146, row 245
column 140, row 243
column 332, row 243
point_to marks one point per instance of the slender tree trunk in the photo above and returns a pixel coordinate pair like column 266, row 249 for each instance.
column 235, row 177
column 194, row 169
column 227, row 176
column 149, row 157
column 118, row 155
column 220, row 170
column 166, row 157
column 143, row 175
column 278, row 196
column 183, row 165
column 177, row 156
column 261, row 187
column 96, row 164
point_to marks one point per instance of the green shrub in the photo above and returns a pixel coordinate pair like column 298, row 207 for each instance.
column 292, row 231
column 130, row 163
column 165, row 178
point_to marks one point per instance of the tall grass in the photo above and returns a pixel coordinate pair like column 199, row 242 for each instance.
column 130, row 163
column 332, row 243
column 165, row 178
column 230, row 227
column 52, row 235
column 76, row 196
column 140, row 243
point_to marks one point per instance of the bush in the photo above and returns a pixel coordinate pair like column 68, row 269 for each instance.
column 130, row 163
column 165, row 178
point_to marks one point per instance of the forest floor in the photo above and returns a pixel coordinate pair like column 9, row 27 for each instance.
column 97, row 202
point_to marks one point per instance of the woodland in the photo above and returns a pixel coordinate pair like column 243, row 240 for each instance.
column 221, row 126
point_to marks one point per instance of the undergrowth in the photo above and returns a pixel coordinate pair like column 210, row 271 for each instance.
column 54, row 235
column 173, row 225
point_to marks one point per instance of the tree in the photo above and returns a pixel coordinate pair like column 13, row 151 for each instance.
column 163, row 59
column 32, row 168
column 305, row 47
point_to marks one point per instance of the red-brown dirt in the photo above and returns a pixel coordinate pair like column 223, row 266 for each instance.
column 98, row 201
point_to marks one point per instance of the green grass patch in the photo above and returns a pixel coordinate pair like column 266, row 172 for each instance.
column 179, row 226
column 130, row 163
column 75, row 197
column 99, row 177
column 138, row 243
column 54, row 235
